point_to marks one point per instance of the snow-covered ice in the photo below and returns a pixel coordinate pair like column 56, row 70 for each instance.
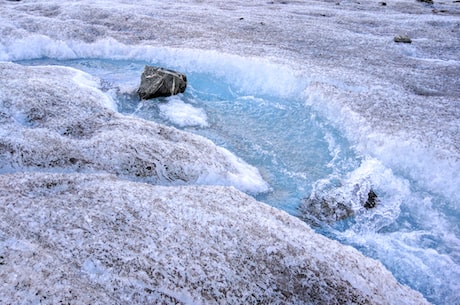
column 397, row 104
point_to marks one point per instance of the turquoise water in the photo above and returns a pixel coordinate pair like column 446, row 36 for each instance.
column 290, row 145
column 412, row 231
column 285, row 140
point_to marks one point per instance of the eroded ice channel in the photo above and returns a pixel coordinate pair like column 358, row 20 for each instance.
column 412, row 231
column 288, row 142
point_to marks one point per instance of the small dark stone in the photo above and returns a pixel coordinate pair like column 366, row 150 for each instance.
column 426, row 1
column 383, row 3
column 157, row 82
column 402, row 38
column 371, row 200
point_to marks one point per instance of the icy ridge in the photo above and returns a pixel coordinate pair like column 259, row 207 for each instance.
column 96, row 239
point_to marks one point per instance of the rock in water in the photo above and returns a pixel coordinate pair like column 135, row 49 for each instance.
column 332, row 201
column 371, row 200
column 156, row 82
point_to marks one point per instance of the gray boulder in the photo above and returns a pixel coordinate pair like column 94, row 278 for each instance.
column 157, row 82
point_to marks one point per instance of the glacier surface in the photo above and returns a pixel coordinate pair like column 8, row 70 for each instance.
column 96, row 239
column 63, row 143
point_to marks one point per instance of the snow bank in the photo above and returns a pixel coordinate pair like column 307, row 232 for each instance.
column 95, row 239
column 56, row 119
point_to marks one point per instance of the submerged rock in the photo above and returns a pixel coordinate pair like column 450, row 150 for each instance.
column 331, row 202
column 326, row 208
column 157, row 82
column 372, row 200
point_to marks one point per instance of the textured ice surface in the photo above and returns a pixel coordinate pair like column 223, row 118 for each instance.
column 80, row 239
column 397, row 103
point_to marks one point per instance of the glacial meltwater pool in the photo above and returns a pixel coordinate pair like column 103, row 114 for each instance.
column 412, row 231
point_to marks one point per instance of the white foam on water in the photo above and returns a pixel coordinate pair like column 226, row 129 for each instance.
column 182, row 114
column 430, row 167
column 251, row 75
column 35, row 46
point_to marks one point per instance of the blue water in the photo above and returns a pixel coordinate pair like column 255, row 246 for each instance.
column 412, row 232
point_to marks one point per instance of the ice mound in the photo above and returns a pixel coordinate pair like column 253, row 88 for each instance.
column 86, row 238
column 56, row 119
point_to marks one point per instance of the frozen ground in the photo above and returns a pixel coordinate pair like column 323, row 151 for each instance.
column 398, row 103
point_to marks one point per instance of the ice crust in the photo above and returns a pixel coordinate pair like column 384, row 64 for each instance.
column 96, row 239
